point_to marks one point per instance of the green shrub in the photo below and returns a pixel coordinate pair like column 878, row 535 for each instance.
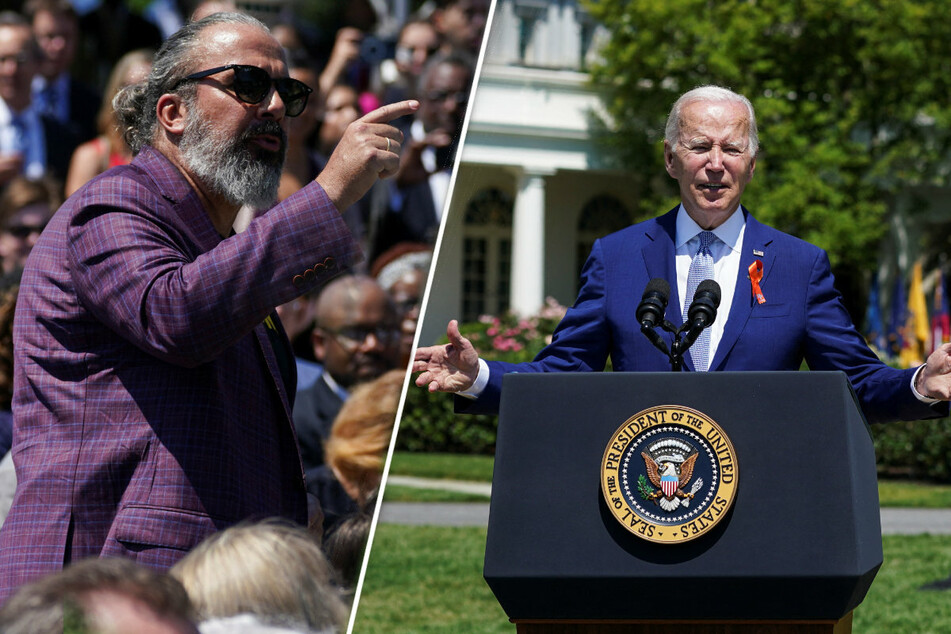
column 920, row 450
column 428, row 422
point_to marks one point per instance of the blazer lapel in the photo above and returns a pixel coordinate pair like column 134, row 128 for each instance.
column 756, row 241
column 659, row 255
column 660, row 259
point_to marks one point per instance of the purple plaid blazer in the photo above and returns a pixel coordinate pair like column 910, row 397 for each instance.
column 149, row 409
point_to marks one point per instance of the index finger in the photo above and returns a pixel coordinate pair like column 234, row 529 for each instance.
column 390, row 111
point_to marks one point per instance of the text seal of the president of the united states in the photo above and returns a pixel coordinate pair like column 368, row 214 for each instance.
column 669, row 474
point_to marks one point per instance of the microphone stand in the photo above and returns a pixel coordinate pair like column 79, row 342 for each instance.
column 680, row 344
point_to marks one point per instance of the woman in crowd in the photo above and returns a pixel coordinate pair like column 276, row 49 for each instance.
column 271, row 569
column 108, row 149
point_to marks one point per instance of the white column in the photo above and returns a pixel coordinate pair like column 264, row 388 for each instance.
column 528, row 245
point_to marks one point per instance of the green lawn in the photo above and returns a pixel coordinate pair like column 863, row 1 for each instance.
column 443, row 465
column 895, row 604
column 913, row 494
column 397, row 493
column 429, row 579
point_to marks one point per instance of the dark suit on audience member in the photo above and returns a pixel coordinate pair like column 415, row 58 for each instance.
column 61, row 141
column 314, row 412
column 81, row 112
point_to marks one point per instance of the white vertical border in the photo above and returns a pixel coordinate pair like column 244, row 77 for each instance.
column 422, row 313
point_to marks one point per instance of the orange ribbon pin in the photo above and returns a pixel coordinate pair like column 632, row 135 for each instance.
column 756, row 276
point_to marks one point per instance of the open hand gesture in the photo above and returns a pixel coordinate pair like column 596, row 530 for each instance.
column 452, row 367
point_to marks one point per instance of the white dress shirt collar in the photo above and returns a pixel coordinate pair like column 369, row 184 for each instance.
column 729, row 233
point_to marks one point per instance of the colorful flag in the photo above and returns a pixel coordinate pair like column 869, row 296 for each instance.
column 896, row 320
column 917, row 328
column 874, row 326
column 941, row 317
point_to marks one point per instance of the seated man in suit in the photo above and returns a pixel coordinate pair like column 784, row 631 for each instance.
column 710, row 149
column 356, row 338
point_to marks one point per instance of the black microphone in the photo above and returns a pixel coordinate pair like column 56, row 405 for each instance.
column 702, row 312
column 650, row 312
column 703, row 309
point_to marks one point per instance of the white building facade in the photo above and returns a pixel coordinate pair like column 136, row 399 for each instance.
column 532, row 192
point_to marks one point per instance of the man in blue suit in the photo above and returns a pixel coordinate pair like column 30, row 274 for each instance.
column 791, row 313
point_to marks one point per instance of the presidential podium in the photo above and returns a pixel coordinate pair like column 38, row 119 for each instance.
column 796, row 551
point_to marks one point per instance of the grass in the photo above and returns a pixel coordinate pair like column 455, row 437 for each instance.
column 895, row 603
column 397, row 493
column 443, row 465
column 429, row 579
column 913, row 494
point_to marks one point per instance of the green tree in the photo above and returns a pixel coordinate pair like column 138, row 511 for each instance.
column 853, row 100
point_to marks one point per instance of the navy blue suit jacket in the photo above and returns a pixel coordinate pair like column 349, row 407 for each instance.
column 803, row 318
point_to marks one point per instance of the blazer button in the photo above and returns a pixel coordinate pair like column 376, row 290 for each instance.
column 319, row 267
column 330, row 263
column 309, row 275
column 298, row 280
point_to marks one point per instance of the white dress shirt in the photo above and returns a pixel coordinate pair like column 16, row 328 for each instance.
column 726, row 263
column 30, row 142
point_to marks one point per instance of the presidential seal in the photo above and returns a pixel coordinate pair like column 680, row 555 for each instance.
column 669, row 474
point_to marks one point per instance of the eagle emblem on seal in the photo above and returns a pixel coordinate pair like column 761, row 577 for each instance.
column 669, row 466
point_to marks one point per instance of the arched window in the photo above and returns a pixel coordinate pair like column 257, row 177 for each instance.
column 600, row 216
column 487, row 254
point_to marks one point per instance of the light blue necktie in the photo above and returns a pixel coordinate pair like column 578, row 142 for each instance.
column 701, row 268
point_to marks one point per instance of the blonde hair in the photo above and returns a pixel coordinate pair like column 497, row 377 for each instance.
column 361, row 432
column 106, row 118
column 272, row 569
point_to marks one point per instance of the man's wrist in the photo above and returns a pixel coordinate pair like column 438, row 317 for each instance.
column 481, row 380
column 916, row 387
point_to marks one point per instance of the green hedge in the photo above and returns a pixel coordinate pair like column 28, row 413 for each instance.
column 428, row 422
column 920, row 450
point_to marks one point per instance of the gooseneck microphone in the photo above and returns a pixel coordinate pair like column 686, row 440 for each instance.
column 650, row 312
column 702, row 311
column 703, row 308
column 701, row 314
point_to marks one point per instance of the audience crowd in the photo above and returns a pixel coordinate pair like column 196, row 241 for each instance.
column 61, row 64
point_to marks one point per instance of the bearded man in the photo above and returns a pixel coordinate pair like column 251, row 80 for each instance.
column 152, row 395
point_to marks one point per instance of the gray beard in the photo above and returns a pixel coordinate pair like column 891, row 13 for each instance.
column 230, row 167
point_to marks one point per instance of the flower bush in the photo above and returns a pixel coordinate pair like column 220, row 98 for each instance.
column 429, row 423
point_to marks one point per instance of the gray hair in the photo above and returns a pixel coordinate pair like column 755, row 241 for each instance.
column 398, row 268
column 715, row 94
column 135, row 105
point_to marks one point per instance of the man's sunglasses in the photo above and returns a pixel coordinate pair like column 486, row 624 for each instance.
column 252, row 85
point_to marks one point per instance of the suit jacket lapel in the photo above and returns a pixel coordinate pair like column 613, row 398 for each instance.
column 660, row 255
column 660, row 259
column 755, row 238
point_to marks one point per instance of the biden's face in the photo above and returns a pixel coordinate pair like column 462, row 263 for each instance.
column 711, row 160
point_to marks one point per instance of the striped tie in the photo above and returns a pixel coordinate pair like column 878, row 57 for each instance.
column 701, row 268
